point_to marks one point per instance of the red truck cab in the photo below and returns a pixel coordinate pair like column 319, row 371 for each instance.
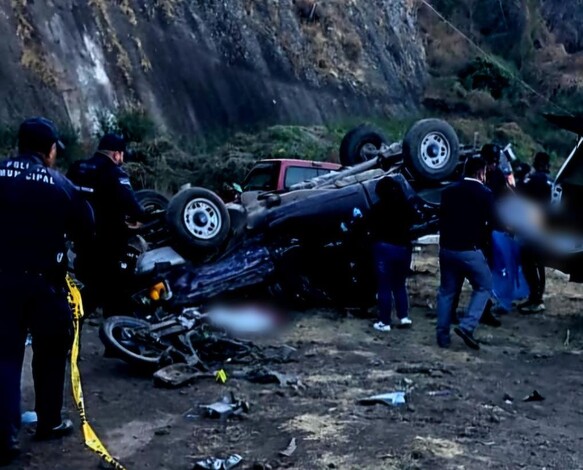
column 281, row 174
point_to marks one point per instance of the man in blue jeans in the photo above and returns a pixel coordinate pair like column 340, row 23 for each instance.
column 391, row 221
column 466, row 217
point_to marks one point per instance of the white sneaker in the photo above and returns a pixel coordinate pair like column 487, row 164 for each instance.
column 406, row 322
column 380, row 326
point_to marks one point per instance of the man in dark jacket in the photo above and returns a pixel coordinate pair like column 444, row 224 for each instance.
column 537, row 187
column 466, row 215
column 391, row 221
column 107, row 187
column 39, row 208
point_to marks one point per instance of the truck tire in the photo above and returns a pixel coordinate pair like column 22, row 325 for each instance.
column 151, row 200
column 198, row 219
column 357, row 142
column 431, row 149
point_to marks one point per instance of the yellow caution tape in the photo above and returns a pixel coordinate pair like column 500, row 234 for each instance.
column 221, row 376
column 91, row 439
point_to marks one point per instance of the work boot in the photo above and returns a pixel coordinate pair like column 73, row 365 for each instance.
column 468, row 338
column 64, row 429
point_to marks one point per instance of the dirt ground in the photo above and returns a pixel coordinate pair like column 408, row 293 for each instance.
column 469, row 425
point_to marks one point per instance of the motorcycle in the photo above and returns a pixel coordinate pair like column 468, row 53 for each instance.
column 183, row 338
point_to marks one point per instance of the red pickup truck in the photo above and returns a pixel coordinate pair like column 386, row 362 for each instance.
column 280, row 174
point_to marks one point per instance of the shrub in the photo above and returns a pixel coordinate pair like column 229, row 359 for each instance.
column 8, row 139
column 74, row 147
column 482, row 74
column 133, row 123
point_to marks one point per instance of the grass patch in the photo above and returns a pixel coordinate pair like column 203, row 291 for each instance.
column 133, row 123
column 8, row 139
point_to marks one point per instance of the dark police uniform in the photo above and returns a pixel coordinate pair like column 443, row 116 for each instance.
column 39, row 208
column 107, row 187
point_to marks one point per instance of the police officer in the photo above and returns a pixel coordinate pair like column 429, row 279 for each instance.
column 537, row 187
column 107, row 187
column 39, row 208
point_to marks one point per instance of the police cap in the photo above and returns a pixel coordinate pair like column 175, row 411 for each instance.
column 38, row 134
column 113, row 143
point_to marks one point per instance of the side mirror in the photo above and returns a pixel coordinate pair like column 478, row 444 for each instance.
column 237, row 187
column 272, row 200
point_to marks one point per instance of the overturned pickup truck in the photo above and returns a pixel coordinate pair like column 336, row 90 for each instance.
column 306, row 242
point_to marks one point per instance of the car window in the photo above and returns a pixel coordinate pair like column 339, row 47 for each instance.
column 263, row 177
column 297, row 174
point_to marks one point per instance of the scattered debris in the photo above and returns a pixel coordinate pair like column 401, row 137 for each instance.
column 534, row 396
column 439, row 393
column 508, row 399
column 277, row 354
column 567, row 339
column 290, row 449
column 162, row 431
column 214, row 463
column 177, row 375
column 421, row 369
column 223, row 409
column 263, row 375
column 391, row 399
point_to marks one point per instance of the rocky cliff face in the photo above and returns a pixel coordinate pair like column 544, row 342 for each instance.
column 565, row 20
column 200, row 64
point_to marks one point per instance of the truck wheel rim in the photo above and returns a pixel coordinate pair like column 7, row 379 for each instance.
column 367, row 150
column 202, row 218
column 435, row 150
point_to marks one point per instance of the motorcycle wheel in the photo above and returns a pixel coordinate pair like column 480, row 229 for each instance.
column 119, row 334
column 359, row 143
column 431, row 149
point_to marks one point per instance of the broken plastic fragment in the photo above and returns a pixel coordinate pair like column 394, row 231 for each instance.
column 213, row 463
column 223, row 409
column 391, row 399
column 290, row 449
